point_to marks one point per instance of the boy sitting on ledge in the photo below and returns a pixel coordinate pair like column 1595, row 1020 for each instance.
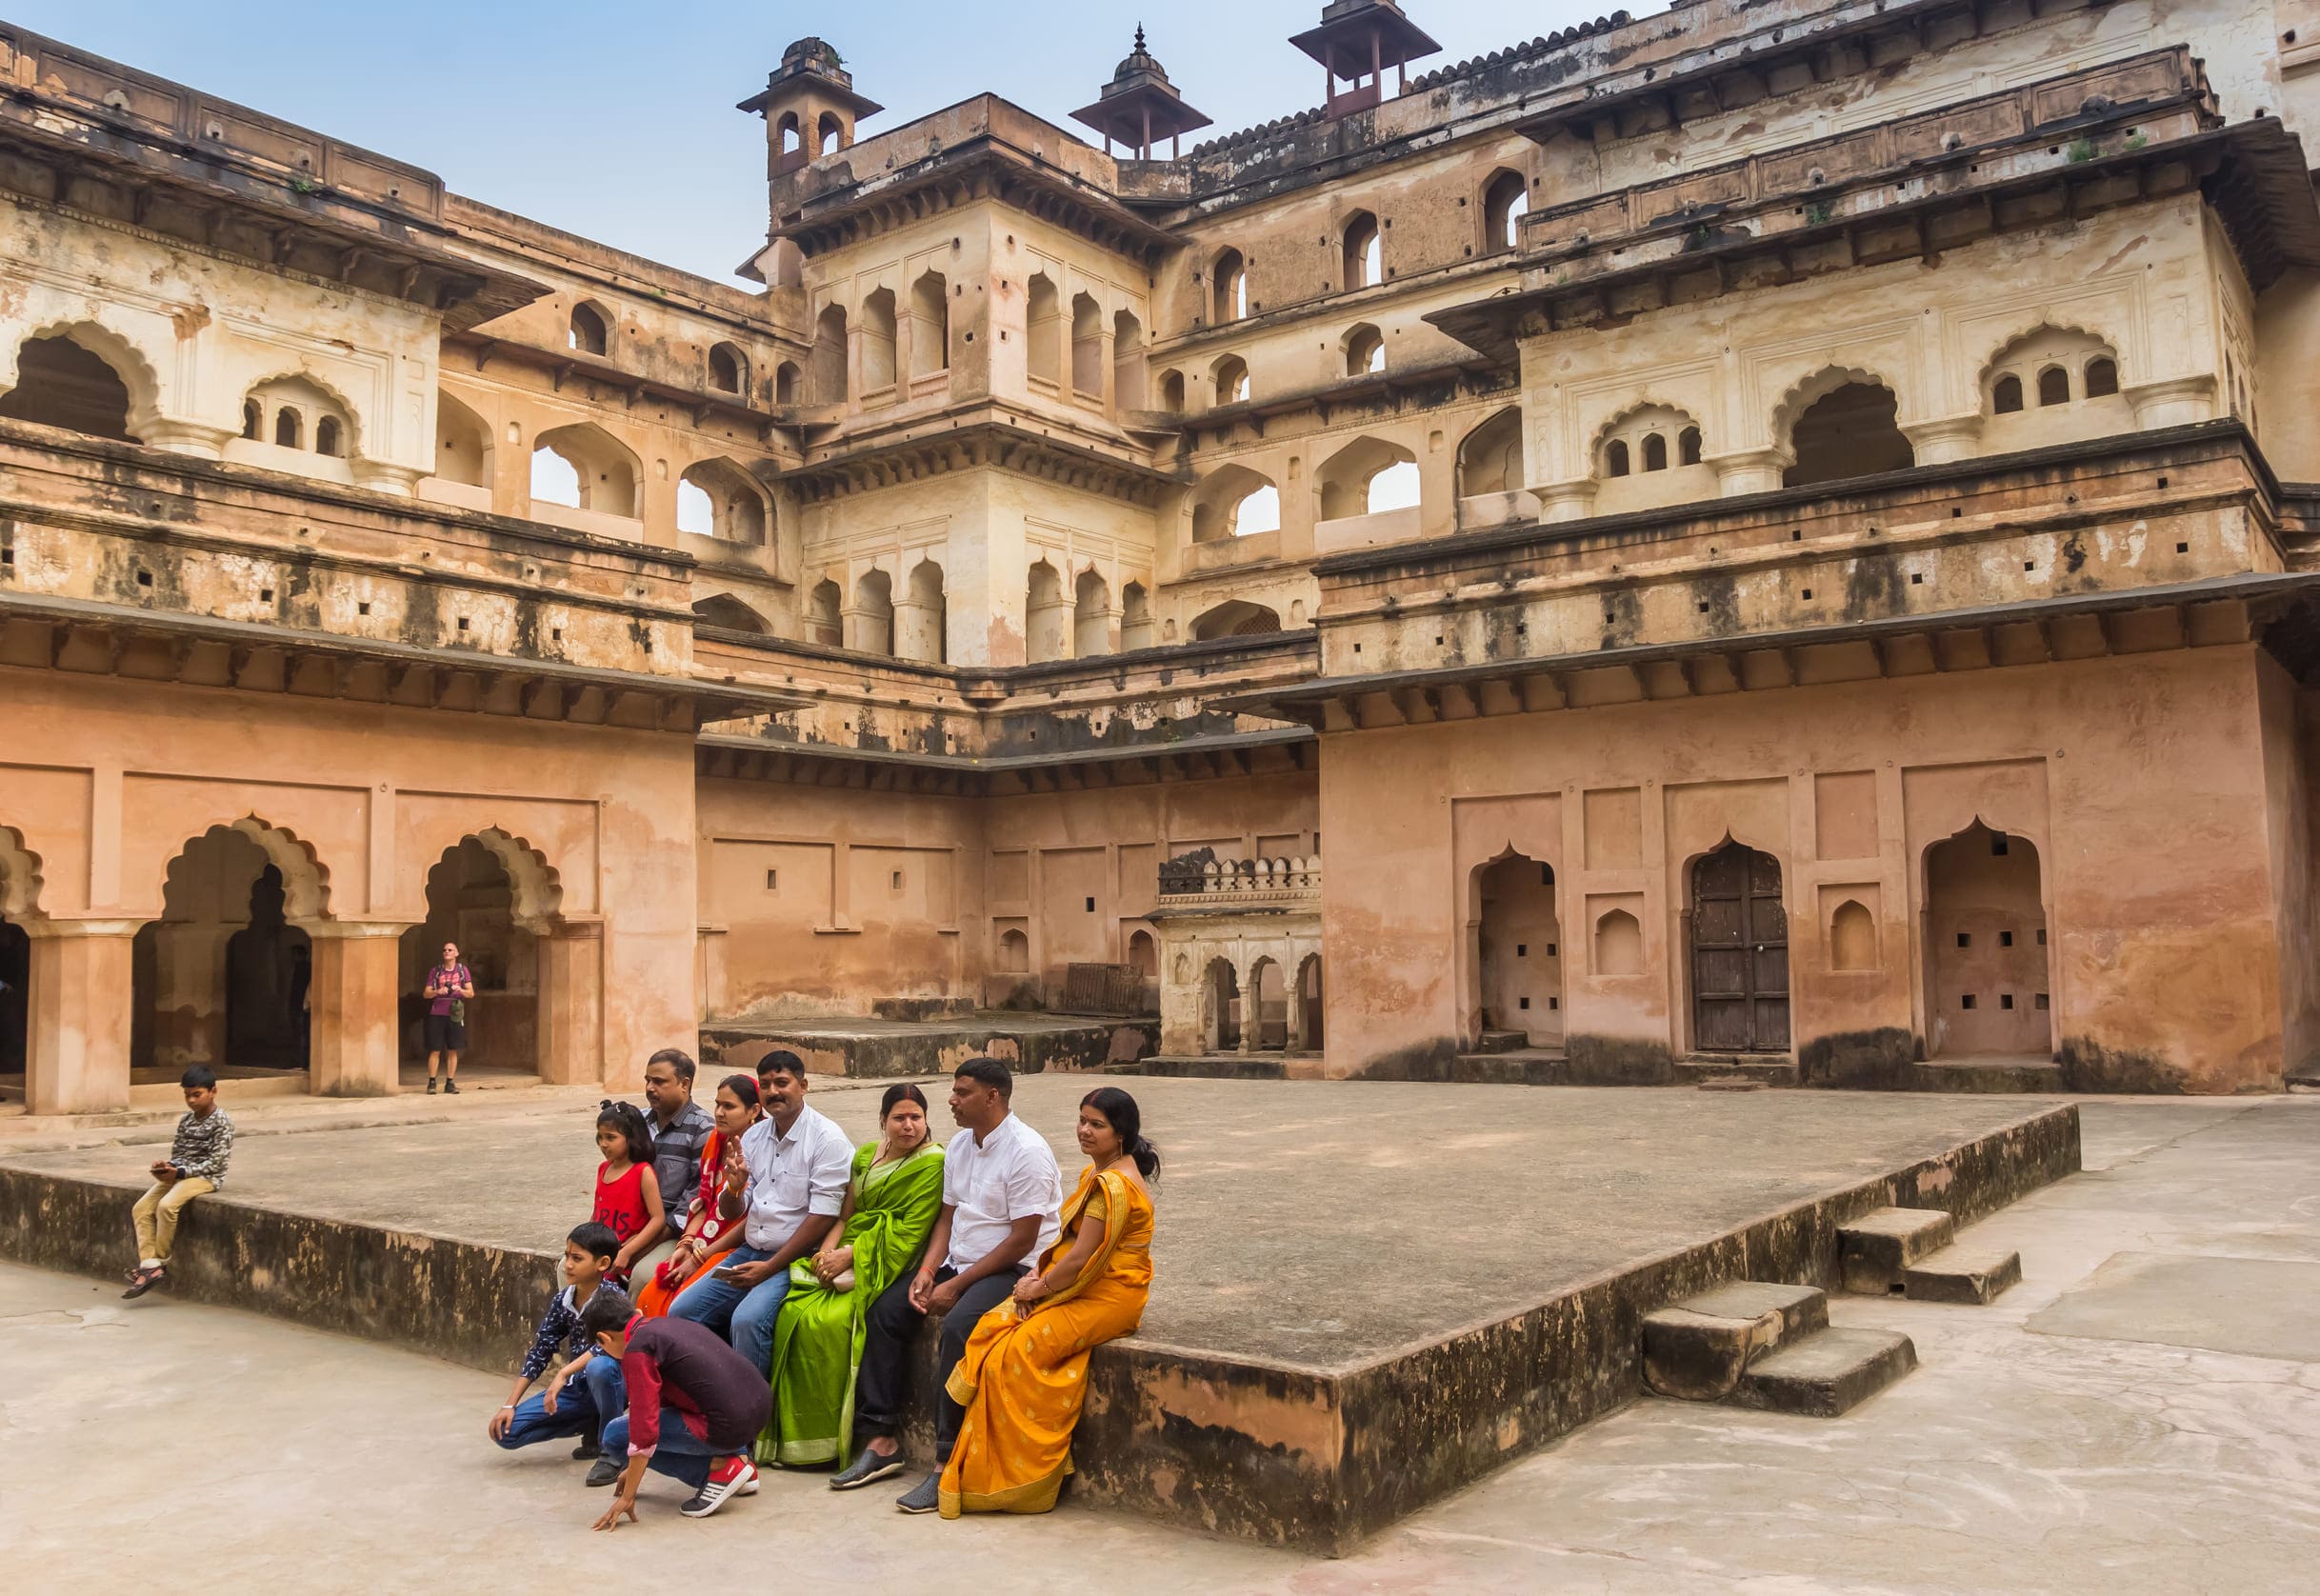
column 196, row 1165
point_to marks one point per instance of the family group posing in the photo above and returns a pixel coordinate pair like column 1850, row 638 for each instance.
column 748, row 1285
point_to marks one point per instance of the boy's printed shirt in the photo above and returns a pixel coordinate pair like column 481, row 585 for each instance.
column 559, row 1325
column 201, row 1146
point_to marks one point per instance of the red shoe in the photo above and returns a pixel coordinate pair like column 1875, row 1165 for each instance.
column 728, row 1477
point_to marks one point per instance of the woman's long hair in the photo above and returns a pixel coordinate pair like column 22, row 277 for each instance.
column 1127, row 1121
column 628, row 1120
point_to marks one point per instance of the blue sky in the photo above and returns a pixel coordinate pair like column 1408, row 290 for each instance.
column 618, row 122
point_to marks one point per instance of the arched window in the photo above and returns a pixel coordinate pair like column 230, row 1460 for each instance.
column 2005, row 396
column 1233, row 501
column 1014, row 955
column 1172, row 393
column 870, row 625
column 2102, row 377
column 1130, row 375
column 792, row 138
column 1135, row 618
column 1615, row 458
column 2053, row 386
column 60, row 383
column 822, row 621
column 1367, row 477
column 1228, row 287
column 727, row 368
column 785, row 383
column 930, row 325
column 253, row 419
column 920, row 617
column 724, row 610
column 1046, row 622
column 289, row 429
column 1491, row 459
column 716, row 498
column 1505, row 203
column 1090, row 615
column 1364, row 350
column 877, row 342
column 1086, row 346
column 329, row 438
column 1236, row 618
column 1043, row 326
column 1852, row 430
column 463, row 444
column 829, row 379
column 1365, row 252
column 581, row 467
column 1230, row 376
column 1654, row 452
column 833, row 133
column 590, row 334
column 1687, row 446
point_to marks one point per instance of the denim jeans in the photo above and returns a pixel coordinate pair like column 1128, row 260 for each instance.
column 589, row 1400
column 743, row 1317
column 681, row 1455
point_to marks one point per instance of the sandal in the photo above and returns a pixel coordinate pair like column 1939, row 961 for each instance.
column 145, row 1280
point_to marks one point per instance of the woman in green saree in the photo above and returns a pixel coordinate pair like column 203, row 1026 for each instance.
column 891, row 1205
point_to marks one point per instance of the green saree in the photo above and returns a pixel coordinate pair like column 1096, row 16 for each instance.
column 817, row 1340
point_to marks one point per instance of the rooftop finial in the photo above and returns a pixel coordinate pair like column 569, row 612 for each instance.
column 1139, row 39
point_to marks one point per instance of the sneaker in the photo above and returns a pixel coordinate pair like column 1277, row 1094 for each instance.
column 450, row 1089
column 868, row 1468
column 726, row 1477
column 431, row 1085
column 749, row 1486
column 925, row 1497
column 608, row 1469
column 586, row 1450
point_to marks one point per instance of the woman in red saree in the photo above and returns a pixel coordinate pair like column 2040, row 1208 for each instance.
column 1024, row 1377
column 737, row 1110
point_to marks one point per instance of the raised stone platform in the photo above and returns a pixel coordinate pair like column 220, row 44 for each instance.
column 1368, row 1295
column 895, row 1049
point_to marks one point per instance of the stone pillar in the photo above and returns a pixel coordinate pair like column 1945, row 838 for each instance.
column 1253, row 1009
column 1755, row 471
column 77, row 1061
column 1950, row 437
column 2174, row 401
column 181, row 436
column 353, row 1007
column 1566, row 501
column 571, row 1003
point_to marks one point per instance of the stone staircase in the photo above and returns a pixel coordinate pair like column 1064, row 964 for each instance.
column 1757, row 1344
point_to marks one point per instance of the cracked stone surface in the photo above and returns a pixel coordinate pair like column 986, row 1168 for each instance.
column 140, row 1440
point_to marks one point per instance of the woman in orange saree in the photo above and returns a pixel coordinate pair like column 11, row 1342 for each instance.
column 1024, row 1376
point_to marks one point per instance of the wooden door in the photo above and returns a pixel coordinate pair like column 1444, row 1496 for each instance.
column 1739, row 954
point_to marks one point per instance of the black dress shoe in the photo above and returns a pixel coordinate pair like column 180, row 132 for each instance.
column 608, row 1469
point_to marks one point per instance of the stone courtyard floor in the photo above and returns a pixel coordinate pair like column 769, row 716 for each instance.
column 2141, row 1415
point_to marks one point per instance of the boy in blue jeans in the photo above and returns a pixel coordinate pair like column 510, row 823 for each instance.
column 586, row 1393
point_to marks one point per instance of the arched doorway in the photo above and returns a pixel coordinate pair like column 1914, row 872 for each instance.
column 1266, row 1009
column 1987, row 971
column 472, row 901
column 1220, row 1007
column 1308, row 1004
column 1519, row 949
column 221, row 978
column 15, row 997
column 1739, row 954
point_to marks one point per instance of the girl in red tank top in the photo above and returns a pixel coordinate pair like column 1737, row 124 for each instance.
column 627, row 1197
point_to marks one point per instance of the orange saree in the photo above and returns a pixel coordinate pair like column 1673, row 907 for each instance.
column 1024, row 1376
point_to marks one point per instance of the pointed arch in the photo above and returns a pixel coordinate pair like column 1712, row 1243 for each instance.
column 589, row 330
column 140, row 397
column 306, row 880
column 605, row 473
column 1490, row 457
column 732, row 614
column 313, row 396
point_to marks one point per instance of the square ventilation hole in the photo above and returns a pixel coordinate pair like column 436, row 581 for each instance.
column 2040, row 1002
column 1964, row 939
column 1437, row 643
column 1523, row 1003
column 1917, row 579
column 2006, row 999
column 555, row 634
column 1091, row 906
column 2005, row 939
column 463, row 622
column 2183, row 548
column 144, row 579
column 2163, row 482
column 1702, row 607
column 897, row 880
column 8, row 556
column 1797, row 536
column 265, row 595
column 1956, row 514
column 2029, row 565
column 1550, row 949
column 773, row 880
column 2042, row 936
column 1966, row 1002
column 1808, row 592
column 1522, row 950
column 1553, row 1003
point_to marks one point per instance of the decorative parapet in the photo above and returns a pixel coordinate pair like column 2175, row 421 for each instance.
column 1202, row 881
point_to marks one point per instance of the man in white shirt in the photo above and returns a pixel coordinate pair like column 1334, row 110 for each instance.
column 796, row 1164
column 1002, row 1195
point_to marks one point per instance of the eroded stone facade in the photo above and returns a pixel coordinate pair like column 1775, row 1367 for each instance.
column 1755, row 528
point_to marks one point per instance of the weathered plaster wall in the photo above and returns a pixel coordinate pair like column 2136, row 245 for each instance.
column 2142, row 783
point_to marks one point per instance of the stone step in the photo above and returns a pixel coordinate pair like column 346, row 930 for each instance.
column 1874, row 1249
column 1504, row 1042
column 1698, row 1349
column 1962, row 1274
column 1767, row 1068
column 1826, row 1374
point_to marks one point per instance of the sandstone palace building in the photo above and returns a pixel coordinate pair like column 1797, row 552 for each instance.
column 1777, row 530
